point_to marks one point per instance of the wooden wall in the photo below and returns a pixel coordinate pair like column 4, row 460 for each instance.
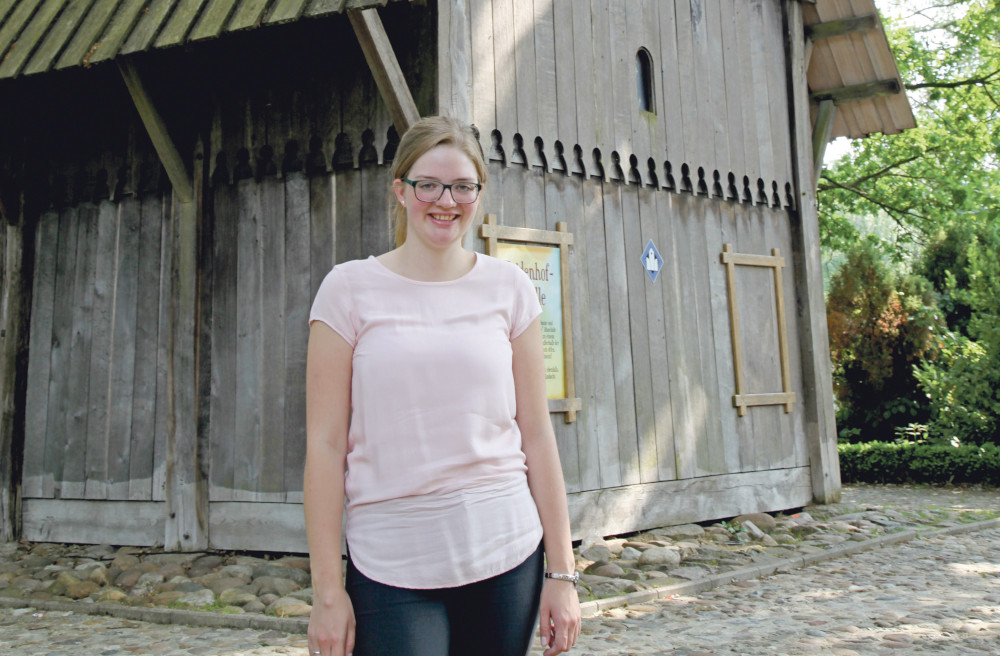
column 655, row 359
column 297, row 179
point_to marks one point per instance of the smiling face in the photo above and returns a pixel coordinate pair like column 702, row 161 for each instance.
column 443, row 223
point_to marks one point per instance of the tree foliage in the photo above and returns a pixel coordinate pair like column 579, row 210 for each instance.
column 906, row 350
column 949, row 166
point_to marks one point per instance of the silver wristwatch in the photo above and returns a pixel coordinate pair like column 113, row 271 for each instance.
column 571, row 578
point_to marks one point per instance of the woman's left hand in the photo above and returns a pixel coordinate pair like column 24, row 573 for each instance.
column 559, row 616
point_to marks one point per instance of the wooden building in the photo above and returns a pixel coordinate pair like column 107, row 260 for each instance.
column 178, row 176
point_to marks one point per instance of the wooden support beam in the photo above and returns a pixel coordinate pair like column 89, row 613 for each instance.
column 821, row 134
column 841, row 27
column 186, row 526
column 384, row 66
column 810, row 318
column 854, row 93
column 167, row 151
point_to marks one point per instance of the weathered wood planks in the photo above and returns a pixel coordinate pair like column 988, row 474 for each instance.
column 92, row 392
column 39, row 354
column 628, row 509
column 147, row 437
column 93, row 521
column 720, row 89
column 655, row 365
column 655, row 362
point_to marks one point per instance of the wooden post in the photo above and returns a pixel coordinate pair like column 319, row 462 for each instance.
column 384, row 66
column 821, row 430
column 17, row 249
column 186, row 526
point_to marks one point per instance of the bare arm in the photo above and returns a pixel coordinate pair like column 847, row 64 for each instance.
column 328, row 411
column 560, row 608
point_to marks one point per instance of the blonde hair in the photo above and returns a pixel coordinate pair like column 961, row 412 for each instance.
column 427, row 133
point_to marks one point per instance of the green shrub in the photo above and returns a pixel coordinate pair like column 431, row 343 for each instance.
column 908, row 462
column 880, row 324
column 963, row 383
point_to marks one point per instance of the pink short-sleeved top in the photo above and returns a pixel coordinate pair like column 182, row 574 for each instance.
column 436, row 485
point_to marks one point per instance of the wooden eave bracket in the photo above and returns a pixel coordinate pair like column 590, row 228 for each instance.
column 841, row 27
column 170, row 157
column 857, row 92
column 830, row 29
column 384, row 67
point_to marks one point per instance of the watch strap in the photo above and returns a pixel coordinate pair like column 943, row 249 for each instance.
column 570, row 578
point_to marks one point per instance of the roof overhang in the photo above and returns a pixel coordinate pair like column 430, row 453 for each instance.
column 37, row 36
column 854, row 83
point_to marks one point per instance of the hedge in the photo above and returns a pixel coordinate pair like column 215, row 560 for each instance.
column 908, row 462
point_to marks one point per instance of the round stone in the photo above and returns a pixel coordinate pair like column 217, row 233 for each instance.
column 660, row 556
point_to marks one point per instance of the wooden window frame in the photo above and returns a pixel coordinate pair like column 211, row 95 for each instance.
column 742, row 399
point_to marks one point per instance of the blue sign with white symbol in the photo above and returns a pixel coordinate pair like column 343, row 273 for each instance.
column 651, row 261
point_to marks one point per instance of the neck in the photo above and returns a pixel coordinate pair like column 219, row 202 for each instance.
column 426, row 265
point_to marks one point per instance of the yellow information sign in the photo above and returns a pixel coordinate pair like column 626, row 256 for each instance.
column 542, row 266
column 543, row 255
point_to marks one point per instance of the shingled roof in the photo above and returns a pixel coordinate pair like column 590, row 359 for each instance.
column 37, row 36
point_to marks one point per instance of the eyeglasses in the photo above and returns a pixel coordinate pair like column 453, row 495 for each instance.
column 431, row 191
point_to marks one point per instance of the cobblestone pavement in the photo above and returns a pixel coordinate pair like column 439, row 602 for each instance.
column 939, row 593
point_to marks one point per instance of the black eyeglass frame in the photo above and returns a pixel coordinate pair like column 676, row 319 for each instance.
column 477, row 185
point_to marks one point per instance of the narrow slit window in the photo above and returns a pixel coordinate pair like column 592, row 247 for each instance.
column 644, row 80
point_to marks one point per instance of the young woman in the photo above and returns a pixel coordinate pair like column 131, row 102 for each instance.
column 427, row 415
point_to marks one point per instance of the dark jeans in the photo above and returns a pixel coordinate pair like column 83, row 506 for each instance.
column 495, row 617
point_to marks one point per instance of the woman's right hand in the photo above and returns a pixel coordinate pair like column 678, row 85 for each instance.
column 331, row 626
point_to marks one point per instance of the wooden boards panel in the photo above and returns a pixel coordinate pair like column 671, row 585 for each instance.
column 62, row 326
column 222, row 424
column 258, row 526
column 93, row 369
column 298, row 300
column 642, row 369
column 632, row 508
column 621, row 335
column 273, row 365
column 98, row 437
column 564, row 203
column 246, row 454
column 71, row 480
column 139, row 523
column 124, row 354
column 602, row 305
column 274, row 242
column 148, row 436
column 39, row 355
